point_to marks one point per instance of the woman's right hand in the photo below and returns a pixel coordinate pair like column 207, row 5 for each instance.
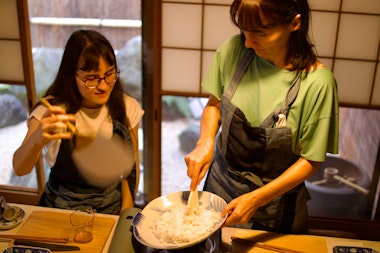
column 198, row 161
column 54, row 124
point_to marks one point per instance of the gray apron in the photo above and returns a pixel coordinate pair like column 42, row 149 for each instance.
column 247, row 158
column 68, row 189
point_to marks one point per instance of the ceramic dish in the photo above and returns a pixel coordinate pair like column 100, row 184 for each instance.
column 5, row 225
column 25, row 249
column 153, row 211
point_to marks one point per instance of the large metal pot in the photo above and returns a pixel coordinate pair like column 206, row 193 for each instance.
column 336, row 199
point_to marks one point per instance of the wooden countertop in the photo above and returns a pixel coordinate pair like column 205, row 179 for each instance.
column 38, row 220
column 301, row 243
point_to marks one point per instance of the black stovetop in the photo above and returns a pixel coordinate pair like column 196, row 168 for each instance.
column 210, row 245
column 124, row 241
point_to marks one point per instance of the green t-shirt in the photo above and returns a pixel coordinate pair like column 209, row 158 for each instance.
column 313, row 117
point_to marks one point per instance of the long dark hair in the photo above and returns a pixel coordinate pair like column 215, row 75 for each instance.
column 256, row 15
column 84, row 50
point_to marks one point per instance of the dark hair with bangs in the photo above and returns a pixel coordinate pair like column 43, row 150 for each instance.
column 258, row 15
column 83, row 50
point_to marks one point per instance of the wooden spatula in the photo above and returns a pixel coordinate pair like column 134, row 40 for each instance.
column 193, row 203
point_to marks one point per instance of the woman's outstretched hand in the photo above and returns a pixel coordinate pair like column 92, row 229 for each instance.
column 240, row 209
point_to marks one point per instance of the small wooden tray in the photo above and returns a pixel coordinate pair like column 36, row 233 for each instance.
column 57, row 224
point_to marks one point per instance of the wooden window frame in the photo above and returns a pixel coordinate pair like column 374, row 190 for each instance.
column 21, row 194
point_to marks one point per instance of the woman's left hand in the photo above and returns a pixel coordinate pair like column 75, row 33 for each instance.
column 241, row 209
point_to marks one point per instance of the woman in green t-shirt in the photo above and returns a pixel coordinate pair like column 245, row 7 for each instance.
column 277, row 108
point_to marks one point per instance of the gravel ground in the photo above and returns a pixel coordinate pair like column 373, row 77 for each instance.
column 10, row 139
column 174, row 171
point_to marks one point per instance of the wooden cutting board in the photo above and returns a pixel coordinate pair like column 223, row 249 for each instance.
column 57, row 224
column 295, row 242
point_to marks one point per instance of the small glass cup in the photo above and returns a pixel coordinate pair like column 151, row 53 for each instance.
column 82, row 221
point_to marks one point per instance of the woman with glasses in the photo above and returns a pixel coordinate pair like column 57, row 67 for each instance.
column 85, row 101
column 277, row 107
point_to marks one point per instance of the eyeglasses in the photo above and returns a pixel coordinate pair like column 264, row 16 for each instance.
column 93, row 83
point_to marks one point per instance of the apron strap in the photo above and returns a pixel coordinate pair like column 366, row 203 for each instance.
column 248, row 56
column 242, row 68
column 284, row 109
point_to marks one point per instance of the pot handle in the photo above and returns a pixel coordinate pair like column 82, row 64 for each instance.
column 122, row 238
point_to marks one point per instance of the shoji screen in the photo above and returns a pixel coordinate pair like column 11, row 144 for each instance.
column 346, row 34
